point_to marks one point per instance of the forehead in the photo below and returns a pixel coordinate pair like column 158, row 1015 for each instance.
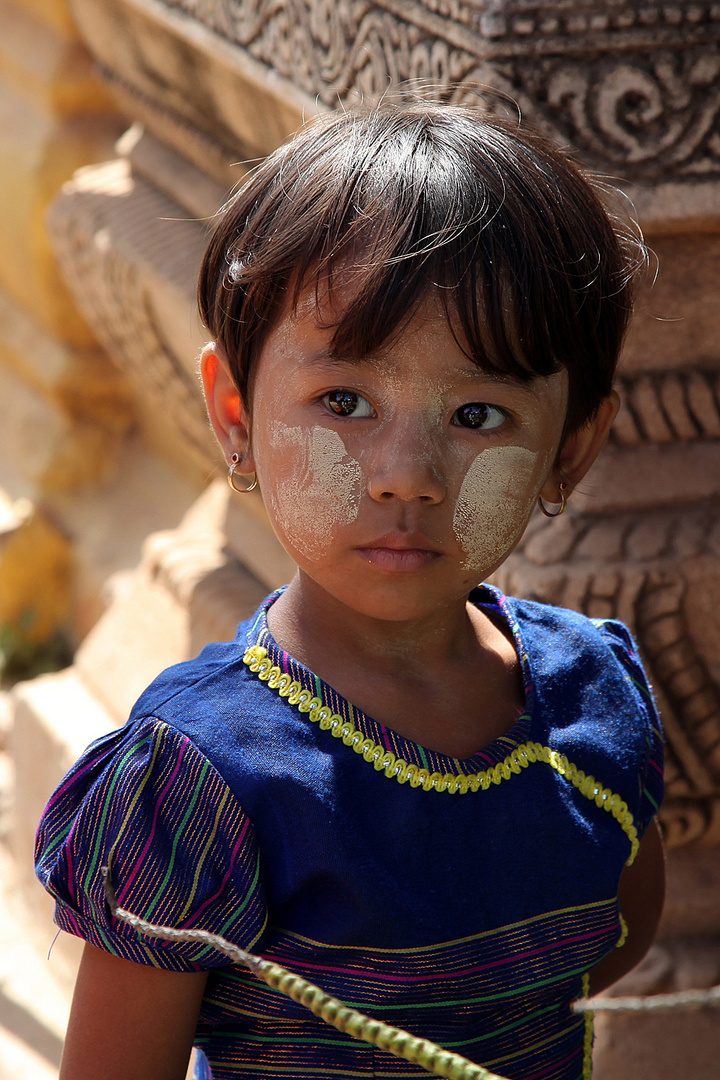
column 426, row 349
column 307, row 325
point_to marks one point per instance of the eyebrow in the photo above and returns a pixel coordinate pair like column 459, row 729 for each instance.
column 324, row 356
column 475, row 374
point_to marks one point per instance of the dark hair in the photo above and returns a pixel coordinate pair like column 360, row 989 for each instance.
column 421, row 197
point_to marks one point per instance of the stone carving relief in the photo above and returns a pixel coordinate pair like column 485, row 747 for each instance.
column 656, row 567
column 130, row 254
column 668, row 406
column 659, row 571
column 634, row 86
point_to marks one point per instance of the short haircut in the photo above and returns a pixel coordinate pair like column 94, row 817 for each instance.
column 416, row 198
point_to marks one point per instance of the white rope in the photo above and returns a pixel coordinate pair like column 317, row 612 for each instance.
column 682, row 999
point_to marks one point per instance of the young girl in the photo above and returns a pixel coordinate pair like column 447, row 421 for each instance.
column 427, row 797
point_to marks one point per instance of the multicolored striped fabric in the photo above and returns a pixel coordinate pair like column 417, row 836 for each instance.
column 151, row 774
column 460, row 899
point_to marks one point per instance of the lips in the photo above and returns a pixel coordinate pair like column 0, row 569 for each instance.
column 400, row 552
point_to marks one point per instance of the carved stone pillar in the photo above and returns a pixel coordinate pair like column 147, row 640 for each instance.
column 635, row 88
column 641, row 542
column 63, row 407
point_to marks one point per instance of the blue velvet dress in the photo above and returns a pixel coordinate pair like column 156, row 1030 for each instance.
column 463, row 900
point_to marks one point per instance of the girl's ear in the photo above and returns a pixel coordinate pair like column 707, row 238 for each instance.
column 580, row 449
column 228, row 415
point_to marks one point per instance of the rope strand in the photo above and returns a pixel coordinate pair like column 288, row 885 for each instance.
column 423, row 1052
column 682, row 999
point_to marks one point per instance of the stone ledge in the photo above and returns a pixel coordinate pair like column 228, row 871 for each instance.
column 138, row 44
column 131, row 257
column 692, row 899
column 630, row 478
column 692, row 207
column 54, row 718
column 191, row 587
column 172, row 173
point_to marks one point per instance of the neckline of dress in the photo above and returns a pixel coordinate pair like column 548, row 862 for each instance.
column 484, row 596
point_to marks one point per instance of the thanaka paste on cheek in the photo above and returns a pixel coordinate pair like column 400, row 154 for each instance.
column 319, row 487
column 494, row 504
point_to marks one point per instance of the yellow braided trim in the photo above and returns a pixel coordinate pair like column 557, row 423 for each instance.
column 589, row 1033
column 395, row 768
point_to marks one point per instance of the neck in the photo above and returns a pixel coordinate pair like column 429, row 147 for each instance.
column 318, row 630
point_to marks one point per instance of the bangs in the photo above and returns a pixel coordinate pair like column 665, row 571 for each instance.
column 403, row 201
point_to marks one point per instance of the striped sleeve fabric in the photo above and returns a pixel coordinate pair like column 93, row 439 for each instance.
column 145, row 801
column 651, row 781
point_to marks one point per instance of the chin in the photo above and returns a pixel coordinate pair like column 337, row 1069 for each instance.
column 398, row 599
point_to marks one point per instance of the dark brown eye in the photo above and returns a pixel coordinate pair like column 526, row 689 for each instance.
column 480, row 416
column 347, row 403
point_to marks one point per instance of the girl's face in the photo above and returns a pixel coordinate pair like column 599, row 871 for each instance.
column 399, row 481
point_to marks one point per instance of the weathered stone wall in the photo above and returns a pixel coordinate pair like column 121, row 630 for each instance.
column 62, row 405
column 635, row 88
column 68, row 419
column 632, row 85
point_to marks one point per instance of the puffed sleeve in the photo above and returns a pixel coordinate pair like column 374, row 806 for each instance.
column 147, row 802
column 650, row 779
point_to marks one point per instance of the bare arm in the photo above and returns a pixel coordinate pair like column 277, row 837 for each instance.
column 130, row 1022
column 641, row 894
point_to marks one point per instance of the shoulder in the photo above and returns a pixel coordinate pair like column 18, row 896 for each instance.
column 205, row 674
column 147, row 805
column 565, row 646
column 230, row 716
column 591, row 699
column 583, row 676
column 213, row 692
column 559, row 626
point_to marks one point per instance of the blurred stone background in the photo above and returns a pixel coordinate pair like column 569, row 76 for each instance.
column 123, row 124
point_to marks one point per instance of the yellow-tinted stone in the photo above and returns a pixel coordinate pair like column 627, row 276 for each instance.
column 35, row 573
column 53, row 13
column 31, row 428
column 48, row 66
column 55, row 116
column 82, row 382
column 55, row 436
column 36, row 154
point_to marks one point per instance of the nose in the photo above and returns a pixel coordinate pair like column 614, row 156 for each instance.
column 406, row 464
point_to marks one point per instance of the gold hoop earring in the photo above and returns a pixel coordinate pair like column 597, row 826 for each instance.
column 554, row 513
column 234, row 462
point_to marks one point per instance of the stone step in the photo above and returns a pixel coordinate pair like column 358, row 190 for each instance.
column 35, row 978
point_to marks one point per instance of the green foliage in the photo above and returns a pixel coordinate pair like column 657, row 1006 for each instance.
column 21, row 657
